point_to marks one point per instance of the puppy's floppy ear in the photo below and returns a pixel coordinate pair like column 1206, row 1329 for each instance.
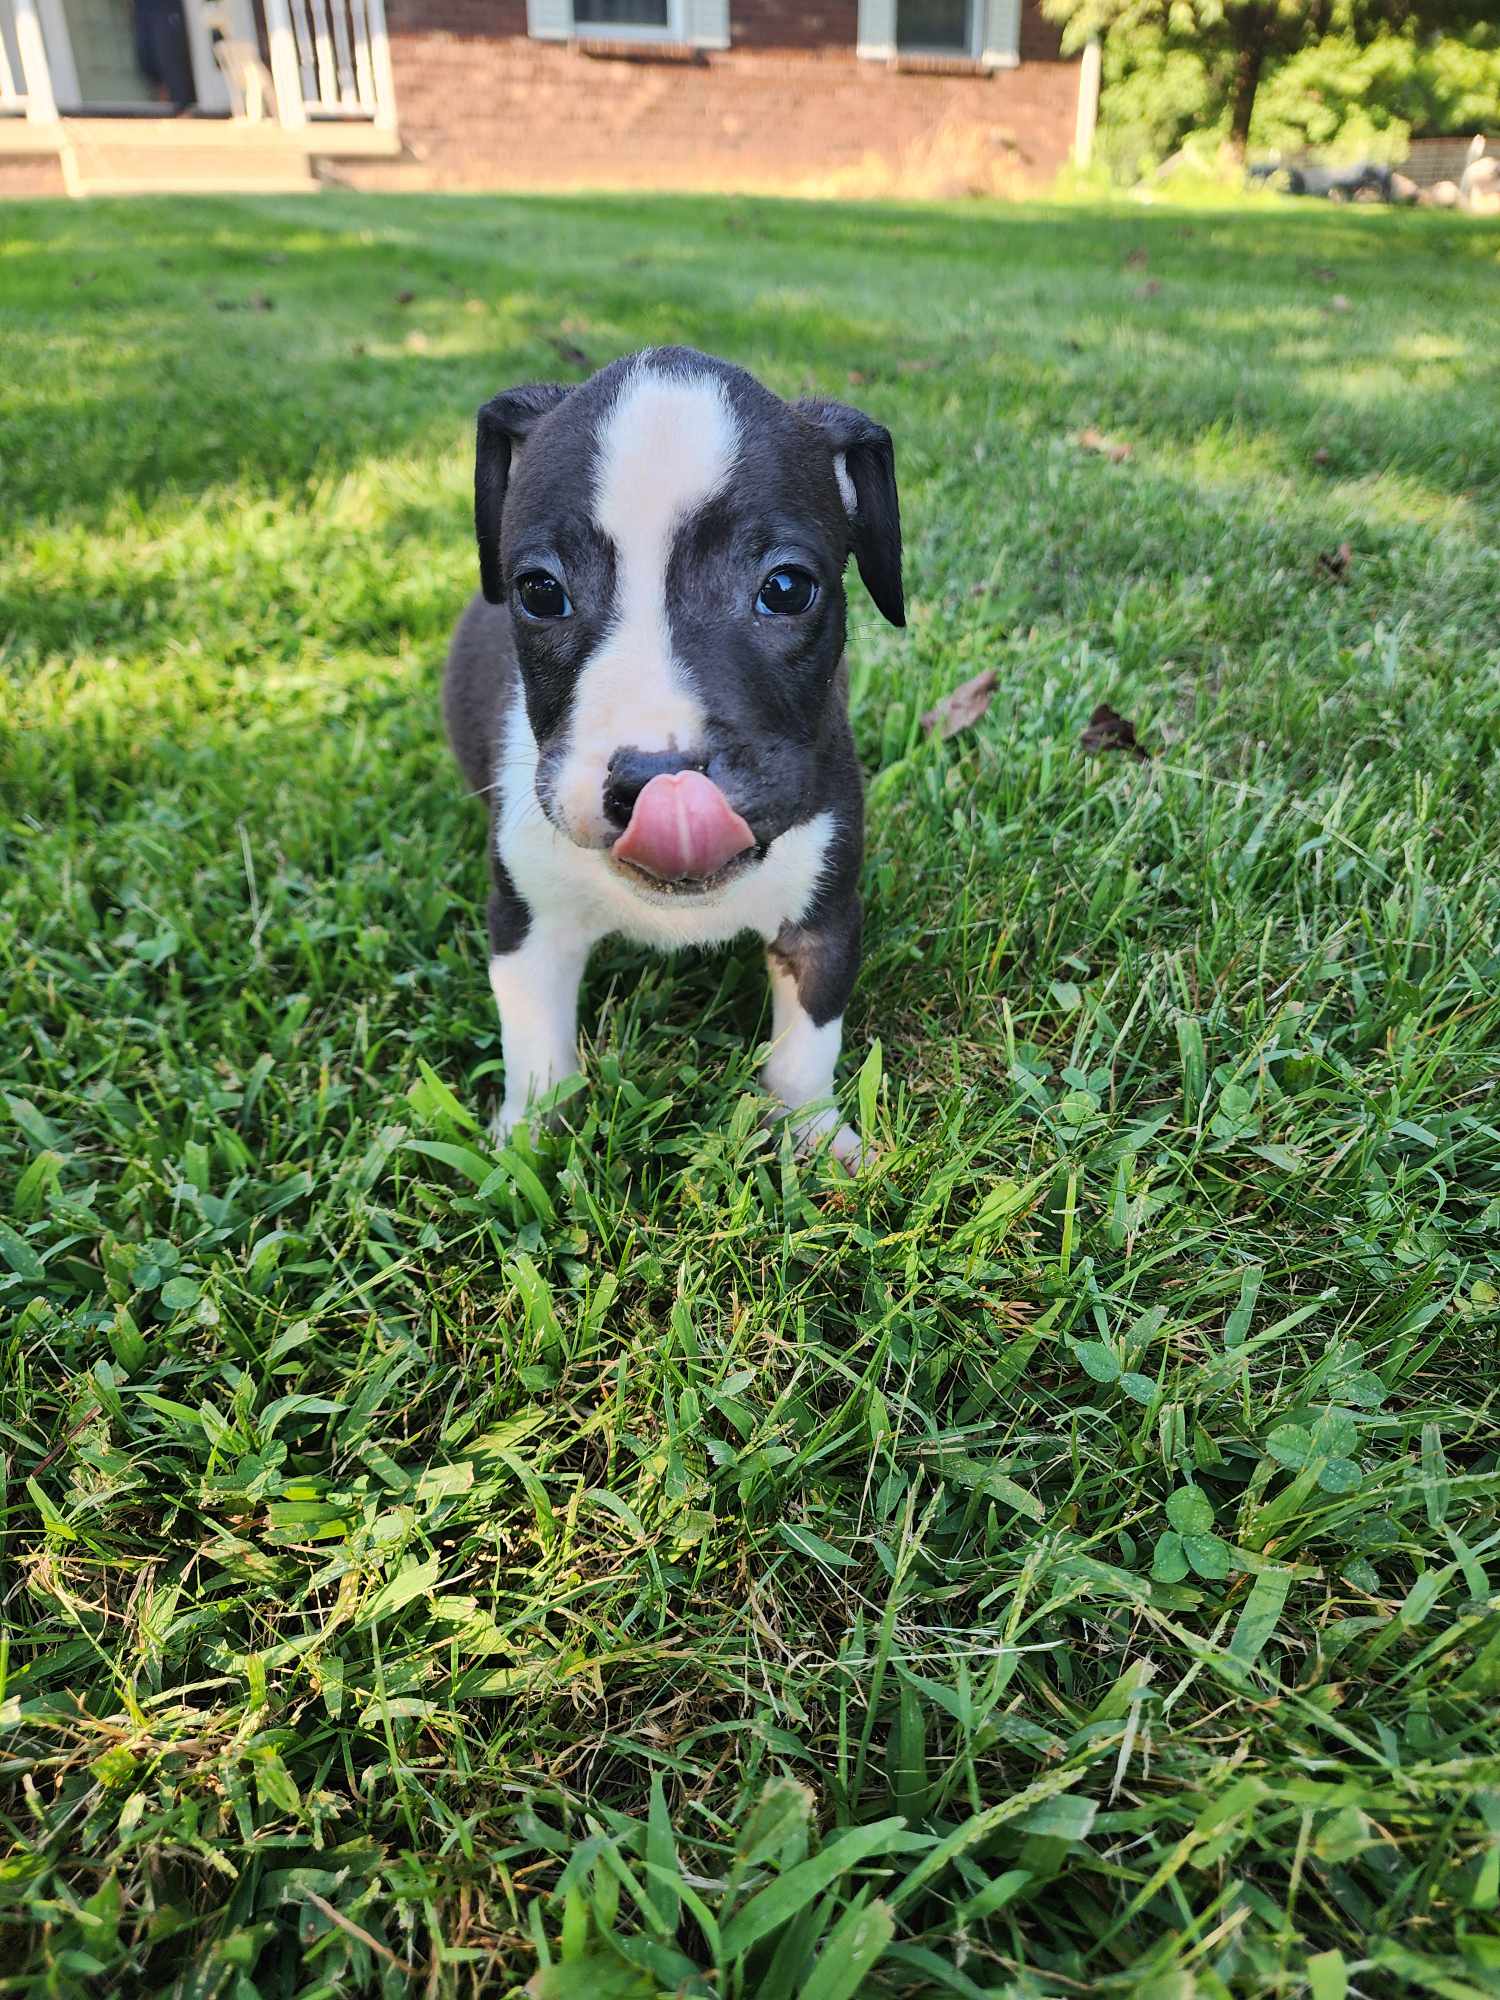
column 864, row 462
column 504, row 422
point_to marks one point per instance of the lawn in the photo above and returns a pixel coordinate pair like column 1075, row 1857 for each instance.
column 1064, row 1560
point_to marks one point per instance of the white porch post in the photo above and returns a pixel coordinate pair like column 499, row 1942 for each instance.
column 41, row 105
column 286, row 71
column 1088, row 103
column 380, row 63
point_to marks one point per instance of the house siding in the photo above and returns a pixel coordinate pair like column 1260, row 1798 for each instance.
column 789, row 105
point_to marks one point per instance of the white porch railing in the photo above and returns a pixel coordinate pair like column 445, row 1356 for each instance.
column 25, row 80
column 331, row 59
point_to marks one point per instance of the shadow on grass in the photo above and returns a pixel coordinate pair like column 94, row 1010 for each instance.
column 185, row 349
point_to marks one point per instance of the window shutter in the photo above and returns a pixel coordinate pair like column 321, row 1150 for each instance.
column 706, row 23
column 1002, row 33
column 877, row 29
column 549, row 20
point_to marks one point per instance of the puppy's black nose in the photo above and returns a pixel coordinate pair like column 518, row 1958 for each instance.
column 630, row 771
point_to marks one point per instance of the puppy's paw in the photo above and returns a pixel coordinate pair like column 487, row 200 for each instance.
column 824, row 1132
column 504, row 1121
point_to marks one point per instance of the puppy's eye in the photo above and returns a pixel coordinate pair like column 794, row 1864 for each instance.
column 786, row 591
column 542, row 596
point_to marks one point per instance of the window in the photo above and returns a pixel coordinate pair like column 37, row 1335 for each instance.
column 936, row 27
column 702, row 24
column 621, row 14
column 982, row 31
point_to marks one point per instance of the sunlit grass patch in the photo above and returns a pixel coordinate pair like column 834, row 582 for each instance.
column 1062, row 1561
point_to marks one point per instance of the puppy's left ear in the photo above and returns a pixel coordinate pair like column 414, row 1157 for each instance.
column 864, row 463
column 504, row 422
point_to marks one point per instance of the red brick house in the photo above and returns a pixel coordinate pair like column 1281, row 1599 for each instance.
column 843, row 96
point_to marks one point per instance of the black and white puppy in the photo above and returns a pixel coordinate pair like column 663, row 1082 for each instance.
column 651, row 692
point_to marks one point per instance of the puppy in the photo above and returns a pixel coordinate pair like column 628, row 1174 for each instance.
column 650, row 690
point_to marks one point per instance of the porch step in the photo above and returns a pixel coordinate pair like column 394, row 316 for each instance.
column 186, row 162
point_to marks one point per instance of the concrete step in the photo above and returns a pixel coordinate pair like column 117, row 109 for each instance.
column 186, row 165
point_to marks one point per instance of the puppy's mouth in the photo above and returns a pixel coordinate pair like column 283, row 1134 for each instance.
column 684, row 838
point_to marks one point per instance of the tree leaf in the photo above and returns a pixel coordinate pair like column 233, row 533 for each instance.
column 963, row 707
column 1090, row 439
column 1107, row 729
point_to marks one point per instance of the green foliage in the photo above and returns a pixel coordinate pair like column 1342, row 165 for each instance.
column 1346, row 80
column 1350, row 100
column 634, row 1561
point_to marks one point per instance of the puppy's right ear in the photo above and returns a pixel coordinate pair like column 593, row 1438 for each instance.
column 504, row 422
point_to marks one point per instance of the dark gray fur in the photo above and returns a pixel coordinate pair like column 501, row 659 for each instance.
column 477, row 687
column 774, row 691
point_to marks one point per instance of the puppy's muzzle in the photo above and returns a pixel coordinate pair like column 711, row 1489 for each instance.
column 680, row 828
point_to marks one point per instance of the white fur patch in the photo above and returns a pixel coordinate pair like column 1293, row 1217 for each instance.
column 846, row 485
column 536, row 991
column 668, row 444
column 800, row 1070
column 580, row 887
column 803, row 1055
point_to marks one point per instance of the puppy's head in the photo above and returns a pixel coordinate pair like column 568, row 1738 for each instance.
column 671, row 540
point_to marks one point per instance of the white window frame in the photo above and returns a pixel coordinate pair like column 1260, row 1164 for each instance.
column 675, row 31
column 994, row 40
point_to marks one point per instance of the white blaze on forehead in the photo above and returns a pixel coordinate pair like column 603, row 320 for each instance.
column 668, row 444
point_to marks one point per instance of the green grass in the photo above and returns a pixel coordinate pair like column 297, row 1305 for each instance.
column 1064, row 1561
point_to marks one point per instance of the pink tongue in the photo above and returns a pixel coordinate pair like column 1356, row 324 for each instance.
column 682, row 826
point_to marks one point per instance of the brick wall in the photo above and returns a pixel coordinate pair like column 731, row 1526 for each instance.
column 788, row 106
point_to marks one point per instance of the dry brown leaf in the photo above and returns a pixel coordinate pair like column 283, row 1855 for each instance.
column 857, row 378
column 916, row 366
column 963, row 707
column 1335, row 564
column 1137, row 260
column 1109, row 730
column 405, row 298
column 1322, row 455
column 570, row 354
column 1110, row 448
column 1149, row 290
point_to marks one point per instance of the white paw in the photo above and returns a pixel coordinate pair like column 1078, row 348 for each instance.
column 824, row 1131
column 503, row 1122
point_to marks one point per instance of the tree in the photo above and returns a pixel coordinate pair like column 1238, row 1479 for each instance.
column 1238, row 39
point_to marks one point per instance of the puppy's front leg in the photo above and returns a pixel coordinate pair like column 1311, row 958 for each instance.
column 535, row 983
column 812, row 975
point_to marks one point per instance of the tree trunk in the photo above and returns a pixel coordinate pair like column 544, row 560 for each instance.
column 1249, row 28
